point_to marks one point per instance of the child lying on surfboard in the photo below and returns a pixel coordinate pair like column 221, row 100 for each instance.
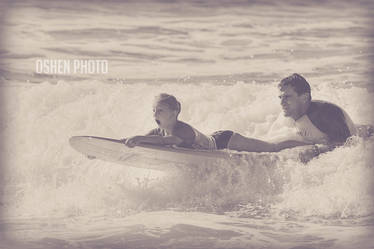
column 171, row 131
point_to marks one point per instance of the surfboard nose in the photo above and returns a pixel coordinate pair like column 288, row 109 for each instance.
column 77, row 141
column 74, row 140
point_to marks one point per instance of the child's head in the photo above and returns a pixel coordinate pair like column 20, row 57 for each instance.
column 166, row 109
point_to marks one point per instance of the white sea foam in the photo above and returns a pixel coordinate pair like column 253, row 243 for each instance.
column 45, row 176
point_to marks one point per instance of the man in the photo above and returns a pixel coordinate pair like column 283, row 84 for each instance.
column 318, row 123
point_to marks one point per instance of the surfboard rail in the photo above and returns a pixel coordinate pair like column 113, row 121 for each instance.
column 160, row 157
column 144, row 155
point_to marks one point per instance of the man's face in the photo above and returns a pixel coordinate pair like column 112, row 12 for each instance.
column 292, row 104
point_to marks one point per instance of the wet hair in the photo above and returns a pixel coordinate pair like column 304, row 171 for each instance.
column 297, row 82
column 170, row 101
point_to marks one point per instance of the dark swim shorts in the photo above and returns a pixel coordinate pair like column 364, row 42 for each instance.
column 222, row 138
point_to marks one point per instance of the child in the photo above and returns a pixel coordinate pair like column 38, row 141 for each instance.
column 171, row 131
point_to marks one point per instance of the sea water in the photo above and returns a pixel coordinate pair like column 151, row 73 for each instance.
column 223, row 61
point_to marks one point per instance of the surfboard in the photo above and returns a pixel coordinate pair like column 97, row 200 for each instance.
column 157, row 157
column 148, row 156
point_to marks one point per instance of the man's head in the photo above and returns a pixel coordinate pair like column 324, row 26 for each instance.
column 295, row 95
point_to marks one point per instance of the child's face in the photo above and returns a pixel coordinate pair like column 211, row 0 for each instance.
column 163, row 114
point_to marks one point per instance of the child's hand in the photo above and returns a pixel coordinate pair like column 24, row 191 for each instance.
column 133, row 141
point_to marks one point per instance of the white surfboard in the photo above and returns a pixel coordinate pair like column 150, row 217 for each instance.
column 156, row 156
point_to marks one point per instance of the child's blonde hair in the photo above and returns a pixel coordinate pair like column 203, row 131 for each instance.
column 170, row 101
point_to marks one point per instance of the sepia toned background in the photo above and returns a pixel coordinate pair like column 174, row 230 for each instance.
column 222, row 60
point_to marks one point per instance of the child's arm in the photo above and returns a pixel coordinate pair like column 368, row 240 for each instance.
column 183, row 135
column 153, row 139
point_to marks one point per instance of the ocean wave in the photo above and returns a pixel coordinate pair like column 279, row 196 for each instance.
column 43, row 176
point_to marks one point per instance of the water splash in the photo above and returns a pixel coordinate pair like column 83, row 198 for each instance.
column 45, row 177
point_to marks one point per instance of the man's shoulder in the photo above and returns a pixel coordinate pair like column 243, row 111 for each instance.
column 324, row 110
column 330, row 119
column 322, row 107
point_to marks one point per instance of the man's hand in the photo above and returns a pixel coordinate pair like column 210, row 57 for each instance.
column 132, row 141
column 309, row 154
column 365, row 131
